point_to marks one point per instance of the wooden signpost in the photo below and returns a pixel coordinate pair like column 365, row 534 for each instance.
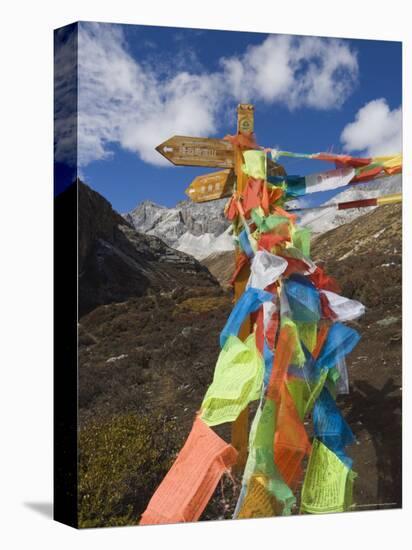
column 211, row 187
column 240, row 427
column 195, row 151
column 218, row 153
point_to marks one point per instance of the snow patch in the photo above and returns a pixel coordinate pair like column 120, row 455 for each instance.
column 320, row 221
column 203, row 245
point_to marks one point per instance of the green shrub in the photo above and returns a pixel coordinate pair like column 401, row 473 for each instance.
column 122, row 461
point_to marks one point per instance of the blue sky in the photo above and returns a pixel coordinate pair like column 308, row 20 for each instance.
column 139, row 85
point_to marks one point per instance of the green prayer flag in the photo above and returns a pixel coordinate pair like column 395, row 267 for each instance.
column 300, row 391
column 328, row 482
column 267, row 223
column 255, row 164
column 315, row 391
column 301, row 240
column 237, row 380
column 298, row 357
column 308, row 334
column 261, row 457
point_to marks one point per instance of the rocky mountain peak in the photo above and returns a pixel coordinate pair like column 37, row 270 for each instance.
column 194, row 228
column 145, row 216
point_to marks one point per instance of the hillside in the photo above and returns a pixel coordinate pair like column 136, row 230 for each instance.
column 221, row 265
column 150, row 318
column 145, row 364
column 116, row 262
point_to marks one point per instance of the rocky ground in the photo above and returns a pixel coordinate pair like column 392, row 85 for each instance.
column 154, row 353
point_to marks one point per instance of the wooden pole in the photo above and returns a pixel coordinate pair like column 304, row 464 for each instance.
column 240, row 427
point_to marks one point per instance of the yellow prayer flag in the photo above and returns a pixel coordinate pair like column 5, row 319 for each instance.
column 259, row 503
column 255, row 164
column 328, row 482
column 389, row 162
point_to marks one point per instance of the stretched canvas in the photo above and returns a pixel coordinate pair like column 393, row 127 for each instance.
column 227, row 251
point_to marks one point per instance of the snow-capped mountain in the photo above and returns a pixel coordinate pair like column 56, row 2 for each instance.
column 200, row 229
column 197, row 229
column 320, row 221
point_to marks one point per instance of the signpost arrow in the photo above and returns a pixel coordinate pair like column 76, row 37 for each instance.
column 195, row 151
column 211, row 187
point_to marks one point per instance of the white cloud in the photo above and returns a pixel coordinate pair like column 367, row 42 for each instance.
column 138, row 106
column 120, row 101
column 297, row 71
column 375, row 131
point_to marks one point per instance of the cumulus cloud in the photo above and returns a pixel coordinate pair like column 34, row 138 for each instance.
column 122, row 101
column 132, row 103
column 297, row 71
column 376, row 130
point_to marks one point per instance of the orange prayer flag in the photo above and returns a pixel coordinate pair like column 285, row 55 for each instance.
column 275, row 194
column 285, row 213
column 295, row 265
column 252, row 195
column 257, row 319
column 394, row 170
column 291, row 440
column 323, row 281
column 268, row 241
column 231, row 209
column 265, row 199
column 188, row 486
column 245, row 140
column 367, row 174
column 241, row 261
column 343, row 159
column 323, row 332
column 283, row 357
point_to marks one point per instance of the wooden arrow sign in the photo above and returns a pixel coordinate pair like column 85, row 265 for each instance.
column 210, row 187
column 194, row 151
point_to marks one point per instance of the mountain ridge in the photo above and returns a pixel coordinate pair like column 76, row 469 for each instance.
column 193, row 228
column 201, row 229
